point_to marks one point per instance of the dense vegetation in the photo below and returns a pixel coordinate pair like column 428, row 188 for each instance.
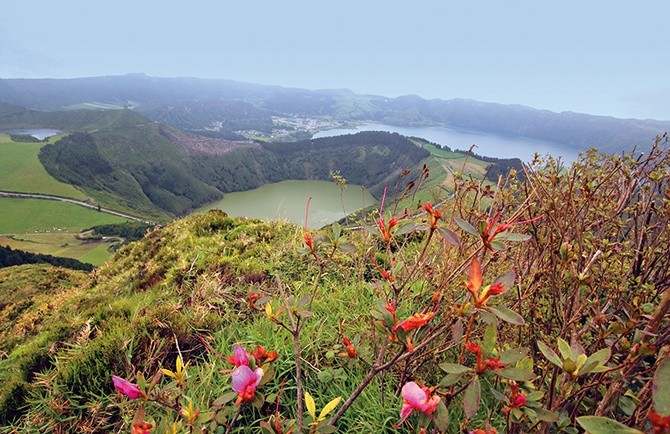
column 130, row 231
column 576, row 325
column 144, row 167
column 10, row 257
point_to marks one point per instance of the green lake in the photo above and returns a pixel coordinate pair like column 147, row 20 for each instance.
column 286, row 200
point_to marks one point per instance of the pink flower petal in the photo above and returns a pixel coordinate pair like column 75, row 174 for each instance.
column 413, row 394
column 259, row 376
column 126, row 387
column 242, row 377
column 239, row 357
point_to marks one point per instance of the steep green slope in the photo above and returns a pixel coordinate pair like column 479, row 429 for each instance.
column 152, row 169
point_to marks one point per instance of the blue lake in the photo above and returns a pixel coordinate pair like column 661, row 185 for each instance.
column 489, row 145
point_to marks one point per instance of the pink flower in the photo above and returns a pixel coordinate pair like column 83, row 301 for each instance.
column 126, row 387
column 245, row 382
column 415, row 397
column 239, row 357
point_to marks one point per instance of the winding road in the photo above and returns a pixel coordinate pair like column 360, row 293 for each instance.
column 65, row 199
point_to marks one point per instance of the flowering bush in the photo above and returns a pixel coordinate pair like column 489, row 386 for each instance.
column 528, row 307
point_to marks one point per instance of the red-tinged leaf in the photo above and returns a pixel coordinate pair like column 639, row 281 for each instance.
column 507, row 315
column 450, row 236
column 471, row 398
column 549, row 354
column 266, row 428
column 457, row 331
column 515, row 238
column 466, row 226
column 660, row 390
column 475, row 275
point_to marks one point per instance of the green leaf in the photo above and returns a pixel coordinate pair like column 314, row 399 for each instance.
column 660, row 390
column 454, row 368
column 564, row 349
column 507, row 315
column 471, row 398
column 466, row 226
column 337, row 230
column 513, row 355
column 451, row 379
column 627, row 405
column 546, row 415
column 595, row 360
column 507, row 279
column 498, row 245
column 498, row 395
column 569, row 366
column 406, row 228
column 326, row 429
column 347, row 248
column 490, row 338
column 450, row 236
column 515, row 238
column 604, row 425
column 516, row 374
column 441, row 417
column 549, row 354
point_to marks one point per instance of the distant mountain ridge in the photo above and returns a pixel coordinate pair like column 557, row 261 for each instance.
column 193, row 104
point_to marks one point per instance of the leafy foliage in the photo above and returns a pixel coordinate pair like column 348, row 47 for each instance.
column 576, row 336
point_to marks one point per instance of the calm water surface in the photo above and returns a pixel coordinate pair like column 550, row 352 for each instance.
column 286, row 200
column 38, row 133
column 489, row 145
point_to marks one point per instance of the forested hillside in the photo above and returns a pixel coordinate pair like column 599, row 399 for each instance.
column 158, row 171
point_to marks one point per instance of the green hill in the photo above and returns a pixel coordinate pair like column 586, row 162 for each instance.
column 586, row 303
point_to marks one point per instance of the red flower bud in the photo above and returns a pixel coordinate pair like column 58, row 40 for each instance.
column 517, row 401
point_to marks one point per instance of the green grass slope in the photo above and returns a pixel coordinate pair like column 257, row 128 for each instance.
column 22, row 171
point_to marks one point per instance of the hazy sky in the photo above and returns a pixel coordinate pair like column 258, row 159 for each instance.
column 601, row 57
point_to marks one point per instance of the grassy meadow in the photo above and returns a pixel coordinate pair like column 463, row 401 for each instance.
column 44, row 226
column 50, row 227
column 21, row 170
